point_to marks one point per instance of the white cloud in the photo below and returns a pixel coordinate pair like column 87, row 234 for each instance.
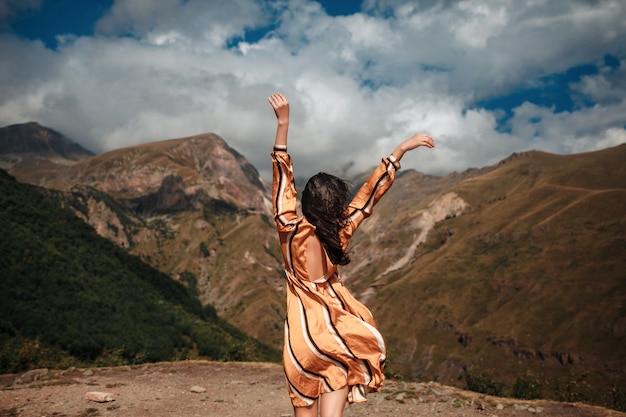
column 205, row 24
column 570, row 132
column 609, row 86
column 481, row 22
column 358, row 84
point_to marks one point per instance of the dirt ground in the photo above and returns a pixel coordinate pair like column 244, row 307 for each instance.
column 202, row 388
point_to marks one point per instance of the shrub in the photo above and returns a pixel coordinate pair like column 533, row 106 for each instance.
column 527, row 387
column 482, row 382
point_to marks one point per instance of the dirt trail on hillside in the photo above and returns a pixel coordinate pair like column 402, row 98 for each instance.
column 202, row 388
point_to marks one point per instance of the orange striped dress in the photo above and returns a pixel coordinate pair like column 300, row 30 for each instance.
column 331, row 339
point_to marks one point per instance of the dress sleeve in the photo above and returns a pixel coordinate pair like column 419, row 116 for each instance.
column 284, row 196
column 367, row 197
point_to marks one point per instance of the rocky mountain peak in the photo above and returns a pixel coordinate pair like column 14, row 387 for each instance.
column 184, row 172
column 158, row 177
column 34, row 139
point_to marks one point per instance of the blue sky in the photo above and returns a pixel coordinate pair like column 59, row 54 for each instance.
column 46, row 19
column 485, row 78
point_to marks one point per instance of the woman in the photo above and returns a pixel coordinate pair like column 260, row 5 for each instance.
column 333, row 352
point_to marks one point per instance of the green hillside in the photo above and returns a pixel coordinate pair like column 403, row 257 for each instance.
column 68, row 296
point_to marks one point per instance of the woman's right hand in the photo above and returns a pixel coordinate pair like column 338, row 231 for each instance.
column 281, row 107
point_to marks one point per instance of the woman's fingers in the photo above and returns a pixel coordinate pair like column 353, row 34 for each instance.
column 277, row 100
column 426, row 140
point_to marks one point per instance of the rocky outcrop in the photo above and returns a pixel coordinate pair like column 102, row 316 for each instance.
column 521, row 352
column 446, row 206
column 443, row 207
column 170, row 198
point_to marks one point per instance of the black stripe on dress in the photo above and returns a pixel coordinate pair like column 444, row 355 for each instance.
column 371, row 196
column 300, row 393
column 332, row 289
column 346, row 344
column 305, row 370
column 293, row 234
column 336, row 361
column 281, row 181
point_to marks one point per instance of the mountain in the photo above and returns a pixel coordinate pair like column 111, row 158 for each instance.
column 35, row 140
column 203, row 167
column 71, row 297
column 32, row 148
column 508, row 279
column 513, row 281
column 193, row 208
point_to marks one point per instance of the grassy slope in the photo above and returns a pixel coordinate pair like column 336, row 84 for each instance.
column 533, row 278
column 68, row 295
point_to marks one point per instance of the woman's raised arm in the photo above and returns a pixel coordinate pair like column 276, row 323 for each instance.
column 281, row 108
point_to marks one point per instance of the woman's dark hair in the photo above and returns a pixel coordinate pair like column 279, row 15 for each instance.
column 324, row 202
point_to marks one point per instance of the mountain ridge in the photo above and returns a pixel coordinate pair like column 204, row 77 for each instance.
column 205, row 165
